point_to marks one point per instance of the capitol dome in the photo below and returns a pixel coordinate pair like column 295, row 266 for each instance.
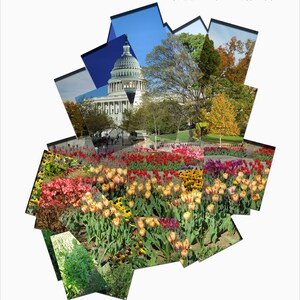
column 126, row 70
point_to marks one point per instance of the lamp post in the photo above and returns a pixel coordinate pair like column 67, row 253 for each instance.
column 129, row 87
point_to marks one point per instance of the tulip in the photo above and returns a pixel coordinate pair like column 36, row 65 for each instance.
column 92, row 169
column 258, row 178
column 187, row 215
column 223, row 186
column 197, row 200
column 140, row 187
column 111, row 185
column 116, row 179
column 225, row 175
column 266, row 171
column 214, row 189
column 151, row 223
column 178, row 245
column 154, row 180
column 106, row 202
column 235, row 198
column 147, row 194
column 120, row 171
column 122, row 180
column 77, row 203
column 173, row 235
column 84, row 208
column 244, row 186
column 100, row 167
column 254, row 188
column 142, row 231
column 185, row 244
column 140, row 223
column 215, row 198
column 166, row 193
column 105, row 187
column 109, row 175
column 99, row 205
column 210, row 208
column 260, row 187
column 106, row 213
column 131, row 204
column 175, row 202
column 264, row 181
column 221, row 192
column 208, row 190
column 217, row 182
column 148, row 187
column 116, row 222
column 231, row 190
column 125, row 172
column 238, row 179
column 100, row 179
column 242, row 194
column 184, row 253
column 255, row 197
column 241, row 174
column 192, row 206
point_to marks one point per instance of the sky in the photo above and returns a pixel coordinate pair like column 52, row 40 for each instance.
column 75, row 84
column 222, row 33
column 145, row 29
column 195, row 27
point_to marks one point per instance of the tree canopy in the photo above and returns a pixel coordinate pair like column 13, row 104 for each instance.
column 95, row 119
column 73, row 110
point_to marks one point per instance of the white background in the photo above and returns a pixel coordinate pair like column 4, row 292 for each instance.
column 42, row 40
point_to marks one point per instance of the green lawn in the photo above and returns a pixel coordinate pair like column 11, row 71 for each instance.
column 183, row 136
column 225, row 138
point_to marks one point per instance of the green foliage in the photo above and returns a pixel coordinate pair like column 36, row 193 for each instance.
column 118, row 279
column 73, row 110
column 79, row 274
column 47, row 238
column 95, row 118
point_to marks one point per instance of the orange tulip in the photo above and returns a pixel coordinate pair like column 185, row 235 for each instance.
column 84, row 208
column 178, row 245
column 255, row 197
column 105, row 187
column 116, row 222
column 215, row 198
column 142, row 231
column 235, row 198
column 106, row 213
column 192, row 206
column 184, row 253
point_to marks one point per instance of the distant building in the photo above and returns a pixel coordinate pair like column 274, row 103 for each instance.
column 126, row 75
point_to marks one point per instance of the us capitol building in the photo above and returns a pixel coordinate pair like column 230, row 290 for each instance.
column 125, row 87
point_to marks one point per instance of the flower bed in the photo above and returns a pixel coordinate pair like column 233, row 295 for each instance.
column 232, row 151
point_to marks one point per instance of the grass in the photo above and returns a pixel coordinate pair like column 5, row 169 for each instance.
column 183, row 136
column 225, row 139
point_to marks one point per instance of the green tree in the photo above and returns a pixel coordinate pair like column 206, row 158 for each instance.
column 73, row 110
column 95, row 119
column 172, row 72
column 221, row 119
